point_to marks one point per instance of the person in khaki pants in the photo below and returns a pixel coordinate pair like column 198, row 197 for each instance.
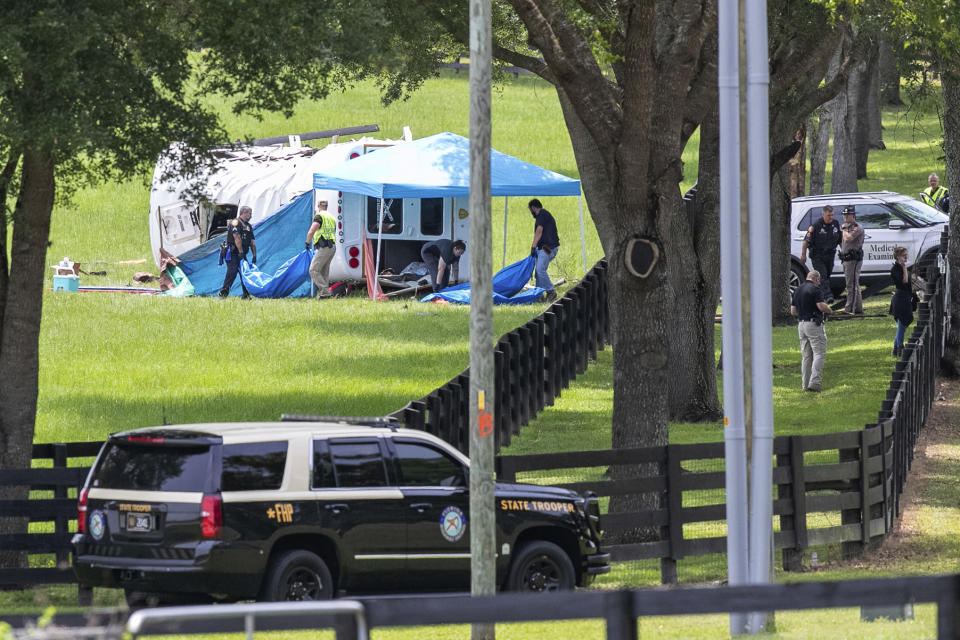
column 809, row 307
column 321, row 237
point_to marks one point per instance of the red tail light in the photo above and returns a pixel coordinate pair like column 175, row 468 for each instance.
column 211, row 516
column 144, row 439
column 354, row 263
column 82, row 512
column 354, row 252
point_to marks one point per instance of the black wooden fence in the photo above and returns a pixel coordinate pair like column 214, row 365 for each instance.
column 532, row 365
column 839, row 488
column 51, row 509
column 620, row 610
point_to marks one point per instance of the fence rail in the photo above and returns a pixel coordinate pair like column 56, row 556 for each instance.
column 620, row 610
column 533, row 364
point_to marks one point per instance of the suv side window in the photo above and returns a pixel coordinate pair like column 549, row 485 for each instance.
column 812, row 215
column 322, row 476
column 253, row 466
column 874, row 216
column 425, row 466
column 358, row 463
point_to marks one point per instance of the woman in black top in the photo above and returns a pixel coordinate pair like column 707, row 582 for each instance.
column 901, row 307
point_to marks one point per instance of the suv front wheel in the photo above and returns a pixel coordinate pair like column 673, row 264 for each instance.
column 295, row 576
column 797, row 277
column 541, row 566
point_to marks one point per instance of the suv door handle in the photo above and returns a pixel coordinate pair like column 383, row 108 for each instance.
column 337, row 508
column 421, row 506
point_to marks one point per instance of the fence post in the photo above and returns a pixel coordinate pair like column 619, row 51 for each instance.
column 948, row 611
column 793, row 558
column 851, row 548
column 620, row 616
column 674, row 504
column 539, row 366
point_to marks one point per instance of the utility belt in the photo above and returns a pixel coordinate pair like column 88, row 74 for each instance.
column 816, row 321
column 324, row 243
column 854, row 255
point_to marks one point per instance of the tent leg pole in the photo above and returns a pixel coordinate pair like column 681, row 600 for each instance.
column 583, row 239
column 376, row 268
column 506, row 201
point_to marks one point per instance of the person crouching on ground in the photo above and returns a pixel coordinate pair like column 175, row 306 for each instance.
column 320, row 236
column 546, row 243
column 809, row 307
column 901, row 307
column 440, row 256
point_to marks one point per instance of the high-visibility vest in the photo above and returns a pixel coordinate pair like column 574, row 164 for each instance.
column 932, row 197
column 327, row 228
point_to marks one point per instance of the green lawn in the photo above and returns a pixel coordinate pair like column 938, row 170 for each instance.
column 112, row 362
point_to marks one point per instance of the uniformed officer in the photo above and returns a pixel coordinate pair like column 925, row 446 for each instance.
column 321, row 238
column 545, row 245
column 240, row 240
column 809, row 307
column 823, row 237
column 440, row 256
column 851, row 254
column 935, row 195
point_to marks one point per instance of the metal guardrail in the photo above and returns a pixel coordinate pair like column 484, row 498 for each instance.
column 169, row 620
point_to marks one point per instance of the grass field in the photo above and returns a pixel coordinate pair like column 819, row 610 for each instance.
column 112, row 362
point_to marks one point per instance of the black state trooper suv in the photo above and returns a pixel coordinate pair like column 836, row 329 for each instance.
column 308, row 510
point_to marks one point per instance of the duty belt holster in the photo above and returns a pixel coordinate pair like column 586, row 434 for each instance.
column 323, row 243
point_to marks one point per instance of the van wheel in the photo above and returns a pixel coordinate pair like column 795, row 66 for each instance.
column 295, row 576
column 797, row 277
column 541, row 566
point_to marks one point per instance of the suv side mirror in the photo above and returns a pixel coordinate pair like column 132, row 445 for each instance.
column 896, row 224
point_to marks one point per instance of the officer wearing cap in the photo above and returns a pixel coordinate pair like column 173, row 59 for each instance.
column 320, row 236
column 240, row 240
column 823, row 237
column 809, row 307
column 851, row 255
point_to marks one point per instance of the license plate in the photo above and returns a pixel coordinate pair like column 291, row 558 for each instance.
column 139, row 522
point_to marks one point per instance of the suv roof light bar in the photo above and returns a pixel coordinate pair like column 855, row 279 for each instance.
column 373, row 421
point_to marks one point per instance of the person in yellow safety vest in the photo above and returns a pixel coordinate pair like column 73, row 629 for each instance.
column 321, row 237
column 935, row 195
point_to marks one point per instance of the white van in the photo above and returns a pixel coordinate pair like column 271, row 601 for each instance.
column 889, row 220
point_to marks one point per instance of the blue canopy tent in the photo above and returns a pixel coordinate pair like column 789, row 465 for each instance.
column 438, row 166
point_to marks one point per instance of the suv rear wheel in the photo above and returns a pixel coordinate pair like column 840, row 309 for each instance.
column 797, row 277
column 541, row 566
column 297, row 575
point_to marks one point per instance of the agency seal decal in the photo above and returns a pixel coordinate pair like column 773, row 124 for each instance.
column 453, row 524
column 98, row 525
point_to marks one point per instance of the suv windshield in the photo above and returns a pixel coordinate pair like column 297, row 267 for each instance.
column 923, row 214
column 154, row 468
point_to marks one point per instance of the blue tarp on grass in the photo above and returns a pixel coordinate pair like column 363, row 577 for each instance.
column 280, row 249
column 507, row 286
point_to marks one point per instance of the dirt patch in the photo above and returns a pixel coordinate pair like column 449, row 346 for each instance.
column 908, row 540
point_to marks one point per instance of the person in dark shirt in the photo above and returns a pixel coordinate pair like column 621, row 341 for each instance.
column 809, row 307
column 545, row 245
column 240, row 240
column 901, row 307
column 823, row 237
column 440, row 256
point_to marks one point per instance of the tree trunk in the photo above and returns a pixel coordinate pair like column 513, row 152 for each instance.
column 844, row 176
column 951, row 129
column 19, row 343
column 693, row 245
column 889, row 62
column 6, row 179
column 819, row 148
column 874, row 111
column 798, row 166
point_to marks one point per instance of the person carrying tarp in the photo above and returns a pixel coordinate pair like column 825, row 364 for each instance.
column 320, row 237
column 440, row 256
column 240, row 240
